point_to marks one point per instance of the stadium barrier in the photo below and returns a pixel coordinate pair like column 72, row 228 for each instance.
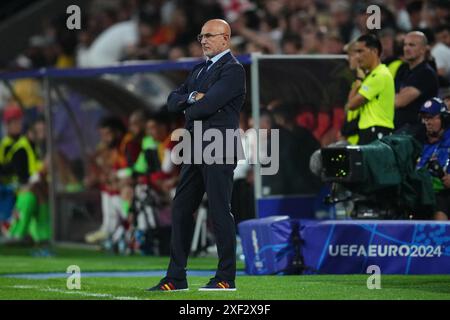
column 345, row 247
column 267, row 245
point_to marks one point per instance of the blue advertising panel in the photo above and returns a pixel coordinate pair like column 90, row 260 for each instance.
column 267, row 244
column 397, row 247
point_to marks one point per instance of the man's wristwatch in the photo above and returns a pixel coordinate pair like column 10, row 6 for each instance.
column 192, row 97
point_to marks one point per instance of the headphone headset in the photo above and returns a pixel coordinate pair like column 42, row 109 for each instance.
column 444, row 113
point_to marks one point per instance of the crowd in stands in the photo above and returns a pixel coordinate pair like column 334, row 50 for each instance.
column 136, row 176
column 118, row 30
column 131, row 168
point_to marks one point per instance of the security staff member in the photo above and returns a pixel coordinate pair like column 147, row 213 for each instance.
column 416, row 82
column 17, row 157
column 18, row 162
column 373, row 92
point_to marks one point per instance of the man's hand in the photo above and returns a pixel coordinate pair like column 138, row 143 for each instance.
column 199, row 96
column 446, row 181
column 352, row 62
column 360, row 74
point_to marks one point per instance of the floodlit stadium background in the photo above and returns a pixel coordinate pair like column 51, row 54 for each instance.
column 297, row 76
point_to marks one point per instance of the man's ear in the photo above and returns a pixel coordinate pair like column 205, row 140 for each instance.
column 376, row 51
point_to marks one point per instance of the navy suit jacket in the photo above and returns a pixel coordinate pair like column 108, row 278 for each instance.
column 224, row 89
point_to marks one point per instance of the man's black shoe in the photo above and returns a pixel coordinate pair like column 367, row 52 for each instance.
column 168, row 284
column 215, row 284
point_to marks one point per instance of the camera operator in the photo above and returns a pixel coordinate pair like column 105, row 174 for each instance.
column 436, row 152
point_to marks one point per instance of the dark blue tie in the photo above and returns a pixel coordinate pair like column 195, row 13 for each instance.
column 204, row 71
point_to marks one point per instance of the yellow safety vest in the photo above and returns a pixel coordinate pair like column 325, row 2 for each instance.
column 34, row 165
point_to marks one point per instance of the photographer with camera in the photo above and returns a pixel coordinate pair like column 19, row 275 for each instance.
column 435, row 156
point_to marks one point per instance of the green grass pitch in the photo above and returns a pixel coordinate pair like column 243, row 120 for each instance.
column 298, row 287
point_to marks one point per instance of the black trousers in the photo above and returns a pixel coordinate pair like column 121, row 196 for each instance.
column 217, row 181
column 242, row 201
column 371, row 134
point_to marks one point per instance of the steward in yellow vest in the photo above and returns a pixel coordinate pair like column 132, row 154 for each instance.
column 18, row 162
column 373, row 93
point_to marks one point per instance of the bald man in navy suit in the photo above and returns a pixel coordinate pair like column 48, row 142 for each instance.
column 213, row 94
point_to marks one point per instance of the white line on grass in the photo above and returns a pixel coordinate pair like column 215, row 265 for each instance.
column 81, row 293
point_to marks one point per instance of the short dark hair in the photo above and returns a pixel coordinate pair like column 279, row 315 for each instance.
column 429, row 35
column 113, row 123
column 414, row 6
column 441, row 28
column 441, row 4
column 149, row 18
column 162, row 116
column 371, row 41
column 286, row 110
column 293, row 38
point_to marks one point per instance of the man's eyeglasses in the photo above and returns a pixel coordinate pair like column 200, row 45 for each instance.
column 207, row 36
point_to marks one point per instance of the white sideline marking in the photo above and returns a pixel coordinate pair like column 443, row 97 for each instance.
column 81, row 293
